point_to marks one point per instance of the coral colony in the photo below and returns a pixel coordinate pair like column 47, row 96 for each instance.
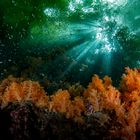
column 100, row 112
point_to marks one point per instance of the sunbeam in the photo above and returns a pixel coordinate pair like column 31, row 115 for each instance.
column 69, row 38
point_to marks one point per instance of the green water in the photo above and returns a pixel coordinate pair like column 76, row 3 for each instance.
column 67, row 41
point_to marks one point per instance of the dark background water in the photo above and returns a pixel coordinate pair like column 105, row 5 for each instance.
column 67, row 41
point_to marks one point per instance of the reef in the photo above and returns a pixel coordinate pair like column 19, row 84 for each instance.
column 101, row 111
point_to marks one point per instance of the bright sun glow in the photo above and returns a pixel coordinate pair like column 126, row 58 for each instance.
column 95, row 38
column 51, row 12
column 112, row 1
column 116, row 2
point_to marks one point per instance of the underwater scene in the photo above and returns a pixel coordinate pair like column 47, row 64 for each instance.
column 70, row 69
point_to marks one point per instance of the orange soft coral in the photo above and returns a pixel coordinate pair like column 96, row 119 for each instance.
column 130, row 87
column 100, row 96
column 8, row 81
column 103, row 96
column 78, row 108
column 111, row 98
column 25, row 91
column 96, row 84
column 60, row 101
column 130, row 80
